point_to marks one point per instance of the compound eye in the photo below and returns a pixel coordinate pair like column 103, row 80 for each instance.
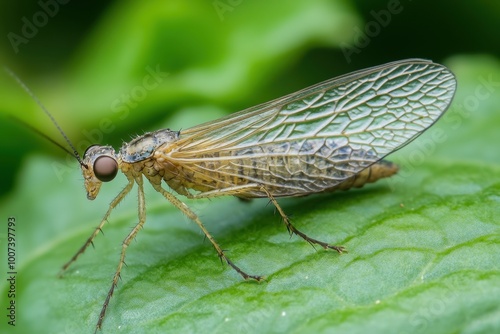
column 105, row 168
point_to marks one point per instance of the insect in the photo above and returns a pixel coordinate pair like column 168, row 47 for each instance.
column 330, row 136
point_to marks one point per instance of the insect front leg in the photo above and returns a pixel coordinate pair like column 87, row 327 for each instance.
column 90, row 240
column 191, row 215
column 142, row 219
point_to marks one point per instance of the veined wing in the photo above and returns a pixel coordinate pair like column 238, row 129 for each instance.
column 330, row 131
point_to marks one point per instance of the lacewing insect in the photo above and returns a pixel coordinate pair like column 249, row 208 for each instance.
column 330, row 136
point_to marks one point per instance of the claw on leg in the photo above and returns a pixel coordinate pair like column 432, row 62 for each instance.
column 293, row 230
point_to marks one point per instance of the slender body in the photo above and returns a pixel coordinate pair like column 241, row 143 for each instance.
column 331, row 136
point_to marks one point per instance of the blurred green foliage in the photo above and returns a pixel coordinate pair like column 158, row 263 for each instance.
column 110, row 71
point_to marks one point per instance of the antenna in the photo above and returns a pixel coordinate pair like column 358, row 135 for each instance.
column 33, row 96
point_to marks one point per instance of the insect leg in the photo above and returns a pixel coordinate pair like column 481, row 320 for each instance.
column 90, row 240
column 292, row 230
column 125, row 243
column 191, row 215
column 241, row 190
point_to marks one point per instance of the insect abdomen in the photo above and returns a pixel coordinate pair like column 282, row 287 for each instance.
column 282, row 175
column 377, row 171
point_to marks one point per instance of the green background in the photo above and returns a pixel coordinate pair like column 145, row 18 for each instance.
column 424, row 249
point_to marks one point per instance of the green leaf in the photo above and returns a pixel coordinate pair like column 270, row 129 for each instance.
column 423, row 245
column 424, row 248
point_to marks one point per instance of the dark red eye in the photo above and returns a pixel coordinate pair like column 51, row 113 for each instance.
column 105, row 168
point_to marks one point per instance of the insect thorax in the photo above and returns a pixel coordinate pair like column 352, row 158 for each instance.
column 143, row 147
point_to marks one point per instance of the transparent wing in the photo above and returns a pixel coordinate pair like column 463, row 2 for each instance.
column 316, row 138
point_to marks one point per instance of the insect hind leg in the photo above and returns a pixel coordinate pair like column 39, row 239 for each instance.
column 293, row 230
column 239, row 190
column 191, row 215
